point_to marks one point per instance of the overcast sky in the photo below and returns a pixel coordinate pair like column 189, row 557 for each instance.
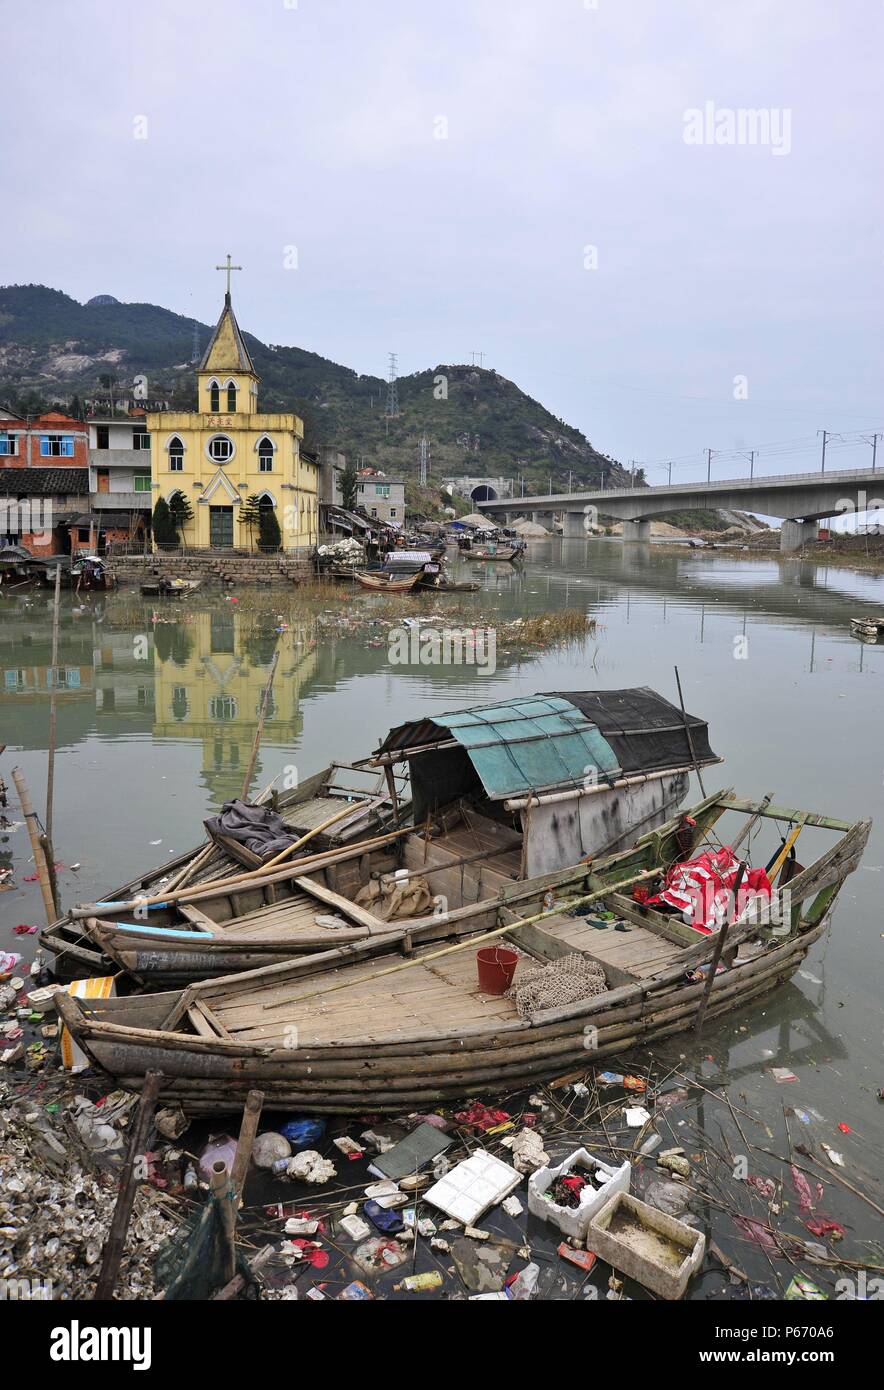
column 504, row 176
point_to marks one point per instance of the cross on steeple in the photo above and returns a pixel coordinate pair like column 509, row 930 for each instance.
column 228, row 267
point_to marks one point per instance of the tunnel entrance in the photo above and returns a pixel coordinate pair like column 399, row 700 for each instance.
column 483, row 492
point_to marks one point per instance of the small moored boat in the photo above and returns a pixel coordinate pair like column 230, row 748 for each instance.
column 599, row 968
column 499, row 794
column 869, row 629
column 387, row 581
column 496, row 550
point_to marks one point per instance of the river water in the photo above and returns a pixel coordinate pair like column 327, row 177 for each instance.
column 157, row 705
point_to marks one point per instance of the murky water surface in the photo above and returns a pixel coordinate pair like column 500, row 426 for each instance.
column 156, row 712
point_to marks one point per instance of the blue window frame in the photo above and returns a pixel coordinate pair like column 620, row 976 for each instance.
column 57, row 445
column 8, row 443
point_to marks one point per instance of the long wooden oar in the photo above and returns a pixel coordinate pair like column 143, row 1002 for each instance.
column 253, row 878
column 752, row 821
column 778, row 860
column 345, row 811
column 564, row 906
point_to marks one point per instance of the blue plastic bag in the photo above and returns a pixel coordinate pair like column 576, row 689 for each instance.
column 302, row 1133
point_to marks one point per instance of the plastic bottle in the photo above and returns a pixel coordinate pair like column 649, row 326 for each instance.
column 415, row 1282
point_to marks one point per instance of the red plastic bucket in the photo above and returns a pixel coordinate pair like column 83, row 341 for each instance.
column 497, row 966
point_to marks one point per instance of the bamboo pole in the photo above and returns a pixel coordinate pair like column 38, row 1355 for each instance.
column 752, row 821
column 113, row 1249
column 781, row 857
column 485, row 936
column 51, row 874
column 50, row 777
column 248, row 1129
column 719, row 947
column 521, row 803
column 30, row 816
column 265, row 701
column 252, row 878
column 331, row 820
column 225, row 1198
column 687, row 729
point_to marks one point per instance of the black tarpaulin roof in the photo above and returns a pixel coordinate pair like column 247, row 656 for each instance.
column 646, row 732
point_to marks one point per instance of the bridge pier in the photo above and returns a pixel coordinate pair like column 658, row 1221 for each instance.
column 795, row 534
column 636, row 530
column 573, row 527
column 543, row 519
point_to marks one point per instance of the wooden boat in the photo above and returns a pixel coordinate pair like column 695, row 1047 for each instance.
column 170, row 588
column 496, row 551
column 170, row 942
column 386, row 582
column 870, row 629
column 501, row 793
column 340, row 1031
column 18, row 569
column 448, row 586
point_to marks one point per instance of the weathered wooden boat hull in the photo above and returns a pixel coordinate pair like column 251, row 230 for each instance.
column 212, row 1077
column 159, row 590
column 450, row 588
column 397, row 1065
column 376, row 584
column 612, row 820
column 78, row 949
column 507, row 553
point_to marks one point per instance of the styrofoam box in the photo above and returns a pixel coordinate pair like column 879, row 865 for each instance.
column 473, row 1186
column 574, row 1221
column 652, row 1273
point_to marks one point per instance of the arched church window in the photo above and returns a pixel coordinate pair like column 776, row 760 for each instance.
column 214, row 397
column 265, row 456
column 231, row 397
column 176, row 455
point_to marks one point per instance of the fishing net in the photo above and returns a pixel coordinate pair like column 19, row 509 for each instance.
column 564, row 981
column 190, row 1265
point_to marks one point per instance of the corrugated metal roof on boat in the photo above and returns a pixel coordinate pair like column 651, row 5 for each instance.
column 518, row 746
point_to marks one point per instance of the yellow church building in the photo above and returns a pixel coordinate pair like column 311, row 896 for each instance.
column 226, row 452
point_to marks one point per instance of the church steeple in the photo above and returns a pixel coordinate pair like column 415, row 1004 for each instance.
column 226, row 375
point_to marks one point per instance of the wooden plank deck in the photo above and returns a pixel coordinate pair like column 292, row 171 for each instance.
column 433, row 997
column 292, row 919
column 638, row 951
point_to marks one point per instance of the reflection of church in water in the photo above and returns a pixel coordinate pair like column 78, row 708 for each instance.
column 209, row 678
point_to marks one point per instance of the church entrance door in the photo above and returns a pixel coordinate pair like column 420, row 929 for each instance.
column 220, row 527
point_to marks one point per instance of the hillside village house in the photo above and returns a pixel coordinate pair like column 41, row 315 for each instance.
column 381, row 498
column 119, row 479
column 226, row 451
column 44, row 479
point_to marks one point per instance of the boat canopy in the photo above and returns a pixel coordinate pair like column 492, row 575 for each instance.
column 412, row 557
column 543, row 743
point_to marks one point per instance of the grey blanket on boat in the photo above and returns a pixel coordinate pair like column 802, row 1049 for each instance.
column 261, row 830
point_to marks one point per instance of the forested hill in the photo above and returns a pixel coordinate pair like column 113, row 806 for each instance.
column 56, row 350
